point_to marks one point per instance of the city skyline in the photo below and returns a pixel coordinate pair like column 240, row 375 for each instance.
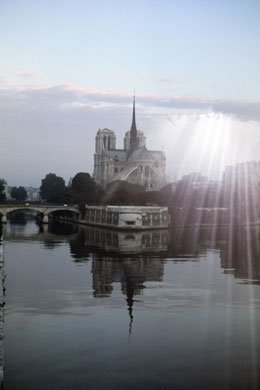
column 69, row 69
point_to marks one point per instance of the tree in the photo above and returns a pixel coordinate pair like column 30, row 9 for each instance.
column 165, row 195
column 84, row 188
column 2, row 189
column 82, row 183
column 52, row 187
column 19, row 193
column 66, row 196
column 121, row 192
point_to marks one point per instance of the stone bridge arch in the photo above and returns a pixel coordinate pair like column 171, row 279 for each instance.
column 13, row 209
column 66, row 209
column 44, row 210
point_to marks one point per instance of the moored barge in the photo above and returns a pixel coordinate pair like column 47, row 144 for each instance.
column 127, row 217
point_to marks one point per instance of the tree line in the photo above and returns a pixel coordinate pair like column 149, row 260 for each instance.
column 2, row 189
column 82, row 190
column 17, row 193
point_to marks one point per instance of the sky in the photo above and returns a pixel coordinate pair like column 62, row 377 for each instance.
column 69, row 68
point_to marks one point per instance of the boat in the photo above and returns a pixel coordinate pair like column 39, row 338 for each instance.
column 127, row 217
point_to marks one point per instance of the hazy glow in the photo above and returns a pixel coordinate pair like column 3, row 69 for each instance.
column 207, row 143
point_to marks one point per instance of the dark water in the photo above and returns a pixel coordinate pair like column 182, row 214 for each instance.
column 95, row 309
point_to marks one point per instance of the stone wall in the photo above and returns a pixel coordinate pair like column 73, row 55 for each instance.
column 1, row 310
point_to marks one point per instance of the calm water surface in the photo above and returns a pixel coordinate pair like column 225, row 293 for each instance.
column 95, row 309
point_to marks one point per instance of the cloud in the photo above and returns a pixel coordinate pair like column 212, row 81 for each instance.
column 55, row 127
column 18, row 79
column 29, row 75
column 242, row 109
column 170, row 80
column 71, row 97
column 24, row 74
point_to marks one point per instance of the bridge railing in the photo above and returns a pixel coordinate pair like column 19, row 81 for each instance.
column 40, row 204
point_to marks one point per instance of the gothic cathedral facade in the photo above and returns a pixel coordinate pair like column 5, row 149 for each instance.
column 135, row 163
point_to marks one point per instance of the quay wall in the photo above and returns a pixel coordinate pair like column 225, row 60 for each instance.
column 124, row 217
column 2, row 275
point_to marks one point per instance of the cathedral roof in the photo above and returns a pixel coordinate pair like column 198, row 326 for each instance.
column 120, row 153
column 158, row 155
column 143, row 154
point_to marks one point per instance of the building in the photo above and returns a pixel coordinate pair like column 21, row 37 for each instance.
column 7, row 192
column 135, row 163
column 195, row 180
column 241, row 184
column 33, row 194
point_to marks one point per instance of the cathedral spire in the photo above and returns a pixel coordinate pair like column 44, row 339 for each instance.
column 133, row 126
column 133, row 131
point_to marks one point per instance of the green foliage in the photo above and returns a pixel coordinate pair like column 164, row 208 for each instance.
column 2, row 187
column 124, row 193
column 85, row 190
column 165, row 195
column 52, row 188
column 83, row 187
column 66, row 196
column 82, row 183
column 99, row 195
column 18, row 193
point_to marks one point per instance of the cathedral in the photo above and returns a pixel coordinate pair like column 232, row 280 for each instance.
column 135, row 163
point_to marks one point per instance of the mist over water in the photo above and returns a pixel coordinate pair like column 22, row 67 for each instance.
column 100, row 309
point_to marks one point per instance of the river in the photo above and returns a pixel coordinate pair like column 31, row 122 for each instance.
column 94, row 309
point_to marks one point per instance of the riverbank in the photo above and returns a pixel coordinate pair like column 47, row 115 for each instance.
column 1, row 311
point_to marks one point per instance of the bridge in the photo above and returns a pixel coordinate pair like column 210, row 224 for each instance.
column 44, row 209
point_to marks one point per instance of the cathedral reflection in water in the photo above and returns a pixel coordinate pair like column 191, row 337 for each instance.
column 118, row 255
column 136, row 257
column 127, row 258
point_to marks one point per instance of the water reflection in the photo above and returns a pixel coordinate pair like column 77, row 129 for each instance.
column 239, row 249
column 115, row 254
column 130, row 273
column 131, row 258
column 82, row 290
column 121, row 257
column 125, row 242
column 240, row 254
